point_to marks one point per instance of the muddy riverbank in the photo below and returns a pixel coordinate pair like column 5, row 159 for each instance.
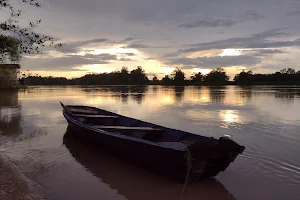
column 13, row 184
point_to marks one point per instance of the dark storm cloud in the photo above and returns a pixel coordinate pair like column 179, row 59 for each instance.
column 217, row 61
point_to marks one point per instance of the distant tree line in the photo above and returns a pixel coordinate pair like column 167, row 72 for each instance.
column 177, row 77
column 284, row 76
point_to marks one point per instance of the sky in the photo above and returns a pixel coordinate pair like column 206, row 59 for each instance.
column 159, row 35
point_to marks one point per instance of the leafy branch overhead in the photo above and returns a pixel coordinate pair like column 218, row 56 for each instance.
column 16, row 40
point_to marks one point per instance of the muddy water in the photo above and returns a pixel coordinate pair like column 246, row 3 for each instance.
column 265, row 119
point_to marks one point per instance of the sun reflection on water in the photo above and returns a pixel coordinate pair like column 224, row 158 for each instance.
column 230, row 116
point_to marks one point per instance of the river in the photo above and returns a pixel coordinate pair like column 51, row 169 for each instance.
column 264, row 119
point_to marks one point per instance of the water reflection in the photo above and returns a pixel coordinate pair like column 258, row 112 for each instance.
column 136, row 93
column 135, row 183
column 217, row 94
column 263, row 118
column 10, row 114
column 179, row 93
column 287, row 93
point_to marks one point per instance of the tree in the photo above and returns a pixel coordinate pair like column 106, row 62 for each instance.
column 9, row 49
column 166, row 80
column 216, row 76
column 124, row 75
column 138, row 76
column 16, row 40
column 288, row 71
column 155, row 79
column 244, row 76
column 196, row 78
column 178, row 76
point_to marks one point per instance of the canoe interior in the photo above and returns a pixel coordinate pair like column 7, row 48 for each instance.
column 119, row 124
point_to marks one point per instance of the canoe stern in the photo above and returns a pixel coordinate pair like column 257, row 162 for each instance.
column 207, row 160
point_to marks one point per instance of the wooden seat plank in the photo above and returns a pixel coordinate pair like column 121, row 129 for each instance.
column 76, row 110
column 132, row 128
column 95, row 116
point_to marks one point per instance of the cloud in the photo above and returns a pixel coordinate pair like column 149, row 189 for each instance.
column 136, row 46
column 128, row 54
column 126, row 40
column 258, row 40
column 125, row 59
column 103, row 24
column 103, row 56
column 249, row 15
column 149, row 59
column 67, row 62
column 74, row 47
column 171, row 55
column 141, row 46
column 264, row 51
column 203, row 23
column 293, row 13
column 215, row 62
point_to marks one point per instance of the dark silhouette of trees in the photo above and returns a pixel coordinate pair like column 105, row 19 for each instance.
column 284, row 76
column 138, row 76
column 17, row 40
column 124, row 75
column 166, row 80
column 216, row 76
column 154, row 80
column 178, row 77
column 197, row 78
column 243, row 76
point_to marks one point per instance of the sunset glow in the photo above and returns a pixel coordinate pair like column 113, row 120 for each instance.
column 230, row 52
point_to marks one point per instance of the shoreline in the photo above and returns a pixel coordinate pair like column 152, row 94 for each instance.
column 14, row 184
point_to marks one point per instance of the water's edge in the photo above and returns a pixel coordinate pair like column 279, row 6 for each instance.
column 14, row 184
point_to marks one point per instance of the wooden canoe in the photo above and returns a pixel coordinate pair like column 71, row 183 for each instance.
column 174, row 153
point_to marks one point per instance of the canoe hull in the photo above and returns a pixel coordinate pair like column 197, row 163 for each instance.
column 197, row 161
column 167, row 161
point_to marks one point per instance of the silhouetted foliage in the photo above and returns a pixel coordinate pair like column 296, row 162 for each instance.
column 216, row 76
column 16, row 40
column 284, row 76
column 243, row 76
column 166, row 80
column 124, row 76
column 154, row 80
column 138, row 77
column 178, row 77
column 197, row 78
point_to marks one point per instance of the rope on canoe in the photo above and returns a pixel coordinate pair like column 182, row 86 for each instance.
column 189, row 165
